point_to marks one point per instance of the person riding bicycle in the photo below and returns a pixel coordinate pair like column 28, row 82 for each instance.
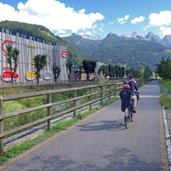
column 126, row 96
column 134, row 90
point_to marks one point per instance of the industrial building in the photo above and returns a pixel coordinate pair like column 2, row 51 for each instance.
column 29, row 48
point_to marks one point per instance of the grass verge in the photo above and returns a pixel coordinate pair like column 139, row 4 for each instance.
column 14, row 150
column 165, row 99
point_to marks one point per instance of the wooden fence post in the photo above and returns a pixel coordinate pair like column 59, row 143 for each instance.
column 49, row 100
column 1, row 126
column 115, row 89
column 101, row 94
column 90, row 99
column 109, row 92
column 74, row 95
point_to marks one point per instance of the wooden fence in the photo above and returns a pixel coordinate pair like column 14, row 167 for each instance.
column 91, row 95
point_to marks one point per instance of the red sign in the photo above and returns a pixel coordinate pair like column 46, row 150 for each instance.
column 65, row 54
column 3, row 45
column 6, row 76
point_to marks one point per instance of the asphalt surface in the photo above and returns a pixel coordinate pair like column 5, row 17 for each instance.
column 101, row 142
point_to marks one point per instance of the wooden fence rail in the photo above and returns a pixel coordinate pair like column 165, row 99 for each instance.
column 93, row 93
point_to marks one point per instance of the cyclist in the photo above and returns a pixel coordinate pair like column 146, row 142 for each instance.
column 134, row 90
column 125, row 96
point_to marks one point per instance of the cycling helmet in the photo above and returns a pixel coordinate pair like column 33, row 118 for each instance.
column 126, row 86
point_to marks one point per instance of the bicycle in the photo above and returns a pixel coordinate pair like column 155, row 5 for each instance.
column 128, row 114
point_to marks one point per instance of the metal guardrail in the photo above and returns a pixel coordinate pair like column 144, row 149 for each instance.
column 94, row 94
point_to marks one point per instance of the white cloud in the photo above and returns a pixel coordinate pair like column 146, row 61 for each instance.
column 161, row 21
column 165, row 30
column 101, row 29
column 51, row 14
column 85, row 33
column 163, row 18
column 123, row 19
column 137, row 20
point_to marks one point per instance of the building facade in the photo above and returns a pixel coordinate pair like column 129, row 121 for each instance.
column 29, row 48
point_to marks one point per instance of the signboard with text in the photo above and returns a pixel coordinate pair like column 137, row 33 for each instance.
column 64, row 54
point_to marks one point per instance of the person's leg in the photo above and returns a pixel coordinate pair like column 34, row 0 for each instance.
column 135, row 102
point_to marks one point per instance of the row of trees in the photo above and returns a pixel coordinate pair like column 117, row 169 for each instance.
column 114, row 71
column 111, row 71
column 88, row 66
column 164, row 69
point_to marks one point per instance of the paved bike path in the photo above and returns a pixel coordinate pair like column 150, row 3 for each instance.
column 101, row 143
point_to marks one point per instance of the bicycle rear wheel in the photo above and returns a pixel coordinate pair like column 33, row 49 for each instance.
column 126, row 121
column 130, row 116
column 126, row 117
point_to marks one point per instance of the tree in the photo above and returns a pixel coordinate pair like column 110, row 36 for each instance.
column 102, row 70
column 79, row 76
column 56, row 71
column 12, row 59
column 39, row 62
column 89, row 67
column 147, row 73
column 69, row 65
column 164, row 68
column 111, row 70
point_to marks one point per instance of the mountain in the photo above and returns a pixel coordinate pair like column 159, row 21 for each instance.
column 36, row 31
column 130, row 49
column 167, row 40
column 133, row 35
column 83, row 45
column 153, row 37
column 134, row 50
column 91, row 37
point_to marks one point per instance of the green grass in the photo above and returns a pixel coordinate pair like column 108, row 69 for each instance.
column 165, row 87
column 18, row 148
column 166, row 102
column 166, row 84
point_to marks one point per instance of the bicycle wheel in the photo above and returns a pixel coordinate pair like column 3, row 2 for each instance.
column 126, row 117
column 126, row 121
column 130, row 116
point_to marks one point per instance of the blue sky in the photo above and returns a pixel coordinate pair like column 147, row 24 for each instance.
column 92, row 17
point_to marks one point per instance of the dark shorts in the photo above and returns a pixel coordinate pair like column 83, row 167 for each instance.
column 126, row 105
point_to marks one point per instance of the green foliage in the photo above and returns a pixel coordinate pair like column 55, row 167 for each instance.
column 56, row 71
column 147, row 73
column 33, row 101
column 39, row 62
column 69, row 65
column 164, row 68
column 103, row 70
column 112, row 71
column 89, row 67
column 31, row 30
column 166, row 84
column 166, row 102
column 11, row 106
column 101, row 79
column 165, row 99
column 12, row 59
